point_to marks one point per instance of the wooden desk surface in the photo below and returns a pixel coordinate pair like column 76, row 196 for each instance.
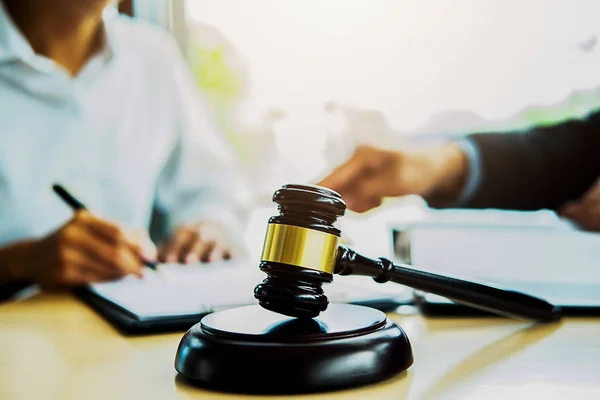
column 54, row 347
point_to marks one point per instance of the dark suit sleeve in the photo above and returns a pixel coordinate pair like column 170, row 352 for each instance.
column 540, row 168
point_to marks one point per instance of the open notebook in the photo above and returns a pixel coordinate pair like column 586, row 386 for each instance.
column 174, row 297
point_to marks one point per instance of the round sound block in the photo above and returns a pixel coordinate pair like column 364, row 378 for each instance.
column 253, row 350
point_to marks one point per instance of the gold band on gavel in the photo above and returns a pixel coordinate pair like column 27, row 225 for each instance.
column 302, row 247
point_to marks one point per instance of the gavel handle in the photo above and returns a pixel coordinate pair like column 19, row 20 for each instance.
column 500, row 301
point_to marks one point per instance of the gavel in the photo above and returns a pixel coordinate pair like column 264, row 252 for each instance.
column 302, row 252
column 294, row 341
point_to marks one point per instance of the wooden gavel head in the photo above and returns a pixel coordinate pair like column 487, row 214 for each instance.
column 300, row 250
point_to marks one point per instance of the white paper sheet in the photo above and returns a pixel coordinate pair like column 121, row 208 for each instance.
column 193, row 289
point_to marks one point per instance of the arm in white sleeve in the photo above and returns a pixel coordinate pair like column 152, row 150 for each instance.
column 200, row 181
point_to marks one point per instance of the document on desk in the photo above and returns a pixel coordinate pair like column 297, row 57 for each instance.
column 179, row 290
column 502, row 252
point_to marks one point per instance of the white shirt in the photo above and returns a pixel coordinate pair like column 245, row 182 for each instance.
column 127, row 134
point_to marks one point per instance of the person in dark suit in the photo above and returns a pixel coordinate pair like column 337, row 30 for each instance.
column 547, row 167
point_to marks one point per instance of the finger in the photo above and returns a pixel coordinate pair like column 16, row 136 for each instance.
column 570, row 210
column 592, row 197
column 128, row 259
column 86, row 242
column 171, row 250
column 197, row 250
column 587, row 218
column 218, row 253
column 205, row 250
column 108, row 230
column 362, row 204
column 579, row 216
column 121, row 258
column 593, row 193
column 366, row 194
column 383, row 184
column 185, row 250
column 112, row 233
column 148, row 251
column 89, row 273
column 347, row 174
column 78, row 267
column 115, row 256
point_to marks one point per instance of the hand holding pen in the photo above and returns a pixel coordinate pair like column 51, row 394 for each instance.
column 110, row 243
column 86, row 249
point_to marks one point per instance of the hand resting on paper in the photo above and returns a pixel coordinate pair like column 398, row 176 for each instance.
column 202, row 242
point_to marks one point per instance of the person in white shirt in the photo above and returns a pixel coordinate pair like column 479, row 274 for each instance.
column 105, row 106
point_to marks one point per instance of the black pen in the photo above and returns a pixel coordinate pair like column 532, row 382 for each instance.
column 76, row 205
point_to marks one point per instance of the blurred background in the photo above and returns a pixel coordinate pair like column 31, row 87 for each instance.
column 298, row 84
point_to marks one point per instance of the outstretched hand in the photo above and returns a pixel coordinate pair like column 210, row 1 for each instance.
column 372, row 174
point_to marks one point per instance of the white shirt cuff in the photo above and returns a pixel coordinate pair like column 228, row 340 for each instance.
column 473, row 180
